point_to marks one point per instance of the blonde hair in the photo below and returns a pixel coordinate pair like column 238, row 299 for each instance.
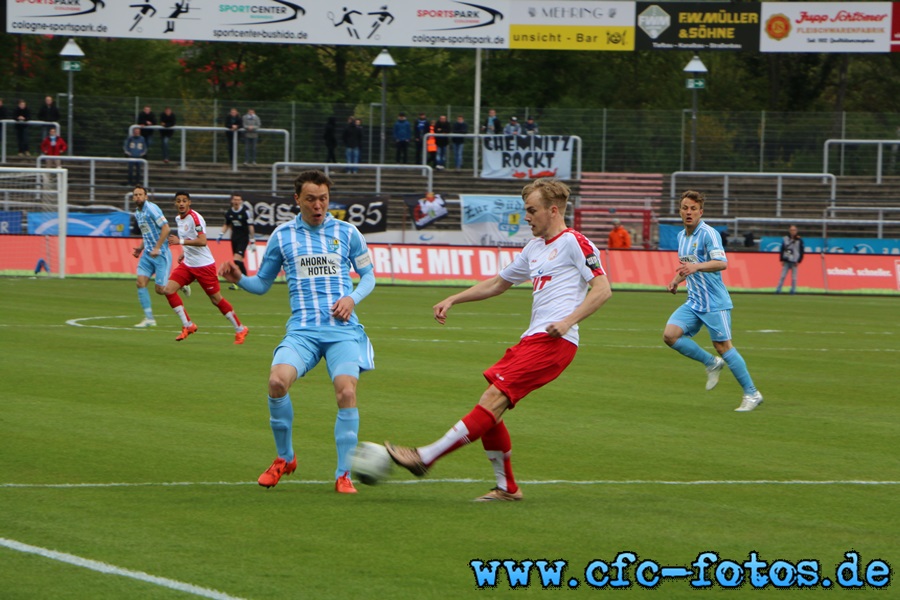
column 552, row 191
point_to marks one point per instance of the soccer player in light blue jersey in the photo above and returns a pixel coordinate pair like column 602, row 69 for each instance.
column 702, row 259
column 155, row 258
column 316, row 252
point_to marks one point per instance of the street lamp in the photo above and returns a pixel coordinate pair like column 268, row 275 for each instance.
column 71, row 55
column 383, row 60
column 696, row 68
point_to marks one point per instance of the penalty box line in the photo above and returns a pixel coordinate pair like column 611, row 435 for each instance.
column 102, row 567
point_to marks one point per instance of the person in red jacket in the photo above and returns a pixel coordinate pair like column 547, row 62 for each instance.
column 53, row 145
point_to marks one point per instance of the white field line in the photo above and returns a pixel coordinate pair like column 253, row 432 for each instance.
column 103, row 567
column 861, row 482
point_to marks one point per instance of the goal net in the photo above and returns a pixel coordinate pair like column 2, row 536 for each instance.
column 33, row 219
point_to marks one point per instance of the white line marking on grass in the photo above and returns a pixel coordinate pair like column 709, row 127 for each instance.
column 103, row 567
column 423, row 481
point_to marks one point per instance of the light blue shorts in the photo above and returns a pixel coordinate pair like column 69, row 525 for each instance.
column 160, row 266
column 717, row 322
column 346, row 350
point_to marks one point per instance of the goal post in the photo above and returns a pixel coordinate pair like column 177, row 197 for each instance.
column 33, row 221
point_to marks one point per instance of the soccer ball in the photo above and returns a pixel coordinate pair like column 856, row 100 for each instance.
column 370, row 463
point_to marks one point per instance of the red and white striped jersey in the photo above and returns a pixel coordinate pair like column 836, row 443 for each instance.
column 189, row 228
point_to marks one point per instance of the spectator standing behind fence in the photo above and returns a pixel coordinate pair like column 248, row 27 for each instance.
column 492, row 125
column 402, row 135
column 619, row 238
column 460, row 128
column 167, row 120
column 513, row 127
column 791, row 256
column 233, row 124
column 431, row 146
column 49, row 112
column 3, row 114
column 442, row 128
column 53, row 145
column 353, row 139
column 329, row 136
column 135, row 147
column 530, row 127
column 22, row 115
column 145, row 119
column 252, row 123
column 419, row 131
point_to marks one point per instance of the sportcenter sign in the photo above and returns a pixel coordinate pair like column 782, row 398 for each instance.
column 846, row 27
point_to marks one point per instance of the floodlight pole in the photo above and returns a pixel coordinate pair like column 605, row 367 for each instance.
column 694, row 67
column 383, row 61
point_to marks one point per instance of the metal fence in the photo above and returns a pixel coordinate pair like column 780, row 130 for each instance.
column 641, row 141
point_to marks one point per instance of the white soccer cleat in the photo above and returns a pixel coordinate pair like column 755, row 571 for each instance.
column 186, row 290
column 146, row 323
column 749, row 402
column 712, row 373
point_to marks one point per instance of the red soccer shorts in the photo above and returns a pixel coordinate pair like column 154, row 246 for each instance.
column 207, row 276
column 532, row 363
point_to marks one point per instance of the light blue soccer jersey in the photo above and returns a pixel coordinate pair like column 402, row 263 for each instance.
column 317, row 263
column 150, row 220
column 706, row 291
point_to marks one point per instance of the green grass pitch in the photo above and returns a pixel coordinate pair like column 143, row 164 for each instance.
column 123, row 447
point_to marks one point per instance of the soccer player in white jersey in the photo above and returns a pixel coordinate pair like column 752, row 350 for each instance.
column 316, row 252
column 702, row 260
column 569, row 284
column 155, row 258
column 196, row 263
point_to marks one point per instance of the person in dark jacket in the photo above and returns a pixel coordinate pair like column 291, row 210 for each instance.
column 22, row 115
column 166, row 119
column 460, row 127
column 420, row 128
column 791, row 256
column 442, row 127
column 353, row 139
column 49, row 112
column 233, row 122
column 402, row 136
column 145, row 119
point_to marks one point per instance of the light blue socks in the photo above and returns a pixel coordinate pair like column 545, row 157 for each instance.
column 144, row 299
column 739, row 369
column 689, row 348
column 281, row 419
column 346, row 436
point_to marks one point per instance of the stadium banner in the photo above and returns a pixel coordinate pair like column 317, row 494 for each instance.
column 10, row 221
column 586, row 25
column 697, row 26
column 813, row 245
column 850, row 27
column 441, row 265
column 368, row 213
column 526, row 156
column 425, row 210
column 437, row 23
column 494, row 220
column 111, row 224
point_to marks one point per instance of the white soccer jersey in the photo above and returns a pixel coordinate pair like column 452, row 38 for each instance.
column 189, row 228
column 559, row 271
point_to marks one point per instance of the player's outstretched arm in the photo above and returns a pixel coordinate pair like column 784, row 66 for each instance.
column 488, row 288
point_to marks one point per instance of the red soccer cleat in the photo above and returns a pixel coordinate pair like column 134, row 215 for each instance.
column 186, row 331
column 273, row 474
column 343, row 485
